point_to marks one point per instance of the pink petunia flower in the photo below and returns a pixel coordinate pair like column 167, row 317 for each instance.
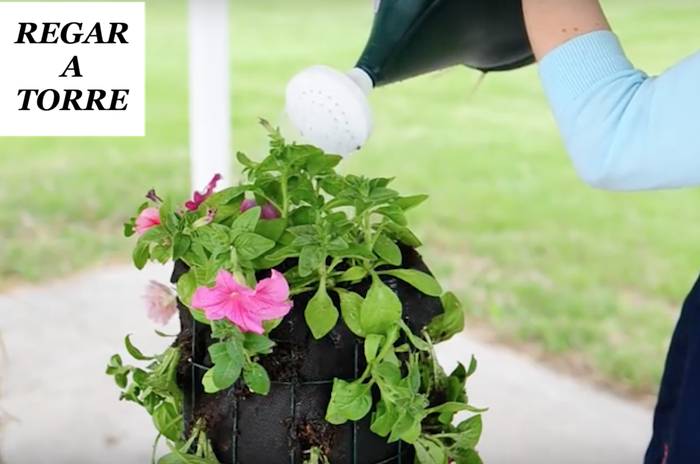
column 245, row 307
column 161, row 302
column 149, row 217
column 267, row 211
column 199, row 197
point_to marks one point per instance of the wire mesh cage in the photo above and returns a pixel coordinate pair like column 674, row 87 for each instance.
column 245, row 428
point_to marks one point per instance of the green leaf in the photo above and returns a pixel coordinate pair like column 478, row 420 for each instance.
column 208, row 382
column 218, row 352
column 469, row 433
column 271, row 324
column 387, row 374
column 333, row 184
column 290, row 251
column 154, row 234
column 226, row 196
column 304, row 215
column 178, row 457
column 271, row 229
column 388, row 250
column 349, row 402
column 199, row 316
column 354, row 274
column 380, row 309
column 195, row 256
column 420, row 280
column 416, row 341
column 350, row 308
column 472, row 366
column 129, row 228
column 450, row 322
column 161, row 253
column 403, row 234
column 407, row 203
column 393, row 213
column 168, row 421
column 256, row 378
column 354, row 251
column 322, row 163
column 384, row 418
column 186, row 285
column 451, row 406
column 181, row 243
column 465, row 456
column 214, row 237
column 226, row 373
column 407, row 428
column 258, row 344
column 429, row 451
column 249, row 245
column 248, row 220
column 140, row 255
column 381, row 194
column 311, row 257
column 320, row 313
column 372, row 344
column 121, row 379
column 167, row 216
column 244, row 160
column 135, row 352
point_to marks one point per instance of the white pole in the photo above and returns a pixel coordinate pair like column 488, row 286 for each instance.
column 210, row 112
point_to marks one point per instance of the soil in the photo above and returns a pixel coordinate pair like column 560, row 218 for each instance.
column 315, row 433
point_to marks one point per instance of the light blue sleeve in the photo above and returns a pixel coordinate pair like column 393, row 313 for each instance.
column 623, row 129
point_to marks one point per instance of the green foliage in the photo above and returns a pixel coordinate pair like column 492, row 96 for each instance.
column 331, row 232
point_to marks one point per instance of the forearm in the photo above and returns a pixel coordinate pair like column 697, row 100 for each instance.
column 622, row 129
column 551, row 23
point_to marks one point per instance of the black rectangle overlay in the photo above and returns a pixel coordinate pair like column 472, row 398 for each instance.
column 72, row 68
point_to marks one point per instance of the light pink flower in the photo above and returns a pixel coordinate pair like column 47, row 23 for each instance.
column 161, row 302
column 268, row 211
column 149, row 217
column 245, row 307
column 199, row 197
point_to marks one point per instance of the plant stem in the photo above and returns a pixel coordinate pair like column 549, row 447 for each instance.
column 367, row 230
column 155, row 448
column 285, row 195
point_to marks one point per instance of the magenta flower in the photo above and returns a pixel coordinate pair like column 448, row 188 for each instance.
column 149, row 217
column 199, row 197
column 245, row 307
column 161, row 302
column 268, row 211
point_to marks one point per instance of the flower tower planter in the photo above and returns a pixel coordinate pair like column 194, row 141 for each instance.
column 308, row 321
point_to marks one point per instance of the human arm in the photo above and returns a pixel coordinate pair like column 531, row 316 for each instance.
column 622, row 129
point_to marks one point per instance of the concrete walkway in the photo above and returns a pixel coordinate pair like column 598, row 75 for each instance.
column 59, row 339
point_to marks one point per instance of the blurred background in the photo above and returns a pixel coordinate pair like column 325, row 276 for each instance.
column 585, row 281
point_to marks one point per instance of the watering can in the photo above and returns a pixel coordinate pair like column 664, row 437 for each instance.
column 409, row 38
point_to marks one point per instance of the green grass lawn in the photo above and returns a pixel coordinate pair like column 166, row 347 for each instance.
column 534, row 252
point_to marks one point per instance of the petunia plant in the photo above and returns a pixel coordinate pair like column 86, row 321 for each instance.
column 297, row 227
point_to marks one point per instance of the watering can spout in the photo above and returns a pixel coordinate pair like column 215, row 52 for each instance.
column 408, row 38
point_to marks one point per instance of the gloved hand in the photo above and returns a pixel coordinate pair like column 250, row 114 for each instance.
column 414, row 37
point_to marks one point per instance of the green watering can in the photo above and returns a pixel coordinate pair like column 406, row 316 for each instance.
column 409, row 38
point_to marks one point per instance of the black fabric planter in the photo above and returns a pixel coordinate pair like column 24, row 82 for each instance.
column 275, row 429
